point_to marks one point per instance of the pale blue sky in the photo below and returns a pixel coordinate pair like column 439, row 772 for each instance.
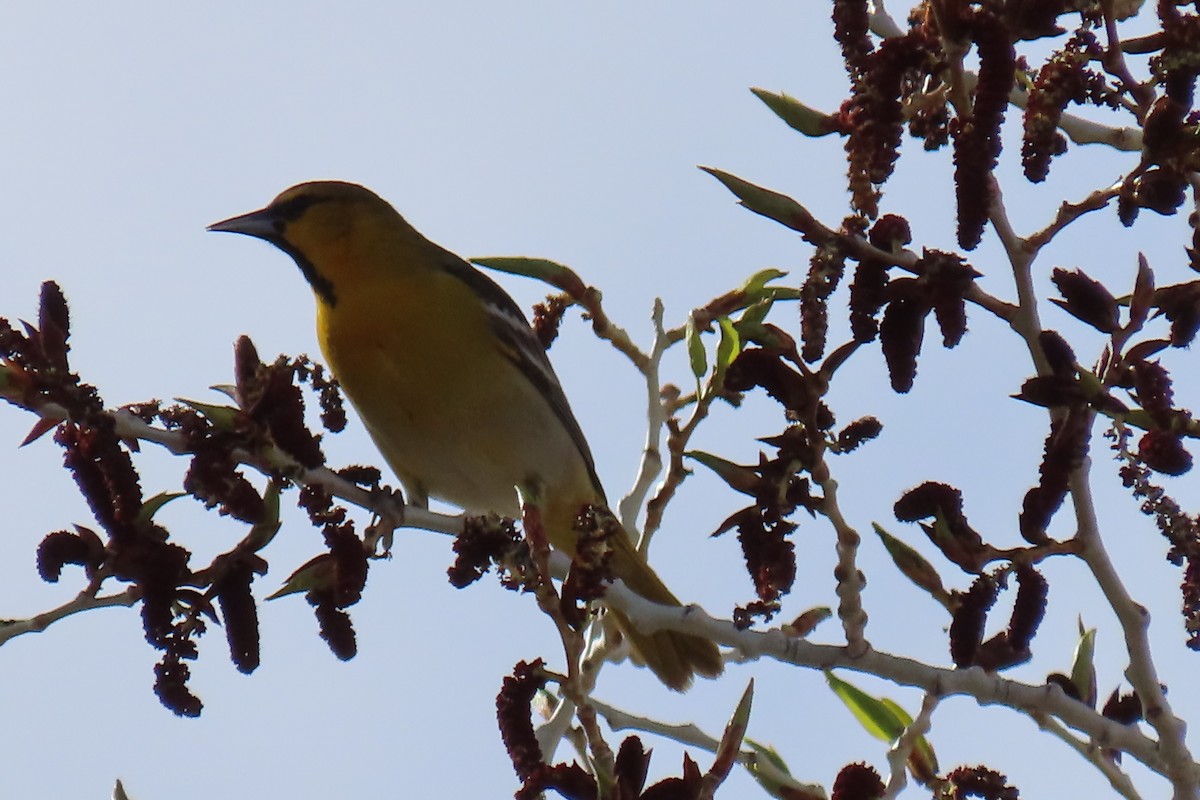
column 551, row 129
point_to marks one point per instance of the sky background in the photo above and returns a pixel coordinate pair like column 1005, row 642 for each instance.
column 548, row 129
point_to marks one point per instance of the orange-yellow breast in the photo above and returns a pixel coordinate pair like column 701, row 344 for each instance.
column 450, row 413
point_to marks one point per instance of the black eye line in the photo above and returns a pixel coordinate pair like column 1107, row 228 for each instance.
column 289, row 211
column 293, row 208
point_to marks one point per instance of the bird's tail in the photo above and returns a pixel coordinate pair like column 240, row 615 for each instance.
column 674, row 657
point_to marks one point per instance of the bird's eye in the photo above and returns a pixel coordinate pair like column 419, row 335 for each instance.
column 292, row 209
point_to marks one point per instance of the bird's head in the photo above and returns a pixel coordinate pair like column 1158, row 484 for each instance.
column 324, row 226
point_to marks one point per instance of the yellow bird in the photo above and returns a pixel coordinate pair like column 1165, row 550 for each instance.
column 450, row 381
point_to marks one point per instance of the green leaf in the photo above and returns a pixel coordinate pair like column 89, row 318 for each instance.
column 772, row 205
column 798, row 116
column 697, row 358
column 739, row 478
column 1083, row 666
column 1091, row 383
column 151, row 506
column 316, row 573
column 731, row 740
column 898, row 711
column 769, row 754
column 756, row 312
column 224, row 417
column 227, row 389
column 913, row 565
column 876, row 716
column 730, row 345
column 264, row 530
column 804, row 624
column 922, row 762
column 741, row 714
column 557, row 275
column 766, row 335
column 940, row 532
column 772, row 773
column 886, row 720
column 756, row 283
column 541, row 268
column 1143, row 295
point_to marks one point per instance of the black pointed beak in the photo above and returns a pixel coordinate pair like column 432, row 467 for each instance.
column 261, row 224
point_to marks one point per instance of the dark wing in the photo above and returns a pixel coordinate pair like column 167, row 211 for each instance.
column 524, row 350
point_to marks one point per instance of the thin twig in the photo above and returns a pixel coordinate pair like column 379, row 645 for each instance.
column 688, row 733
column 881, row 22
column 1114, row 62
column 1095, row 755
column 693, row 736
column 1085, row 131
column 84, row 601
column 606, row 329
column 270, row 461
column 1069, row 212
column 1135, row 624
column 900, row 752
column 985, row 688
column 651, row 464
column 575, row 687
column 850, row 580
column 552, row 731
column 677, row 441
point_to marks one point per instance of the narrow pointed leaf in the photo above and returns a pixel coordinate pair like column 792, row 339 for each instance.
column 151, row 506
column 1143, row 295
column 221, row 416
column 804, row 624
column 756, row 313
column 873, row 714
column 770, row 204
column 731, row 739
column 40, row 428
column 914, row 566
column 770, row 755
column 313, row 574
column 755, row 285
column 772, row 773
column 1083, row 666
column 265, row 529
column 898, row 711
column 739, row 478
column 741, row 715
column 542, row 269
column 766, row 335
column 922, row 761
column 798, row 116
column 730, row 344
column 697, row 358
column 227, row 389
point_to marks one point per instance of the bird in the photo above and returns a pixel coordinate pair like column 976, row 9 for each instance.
column 452, row 384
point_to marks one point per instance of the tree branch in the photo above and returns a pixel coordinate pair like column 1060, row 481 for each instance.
column 985, row 688
column 84, row 601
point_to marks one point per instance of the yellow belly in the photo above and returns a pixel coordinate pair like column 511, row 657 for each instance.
column 451, row 415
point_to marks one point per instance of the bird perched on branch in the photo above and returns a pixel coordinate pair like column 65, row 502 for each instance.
column 451, row 382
